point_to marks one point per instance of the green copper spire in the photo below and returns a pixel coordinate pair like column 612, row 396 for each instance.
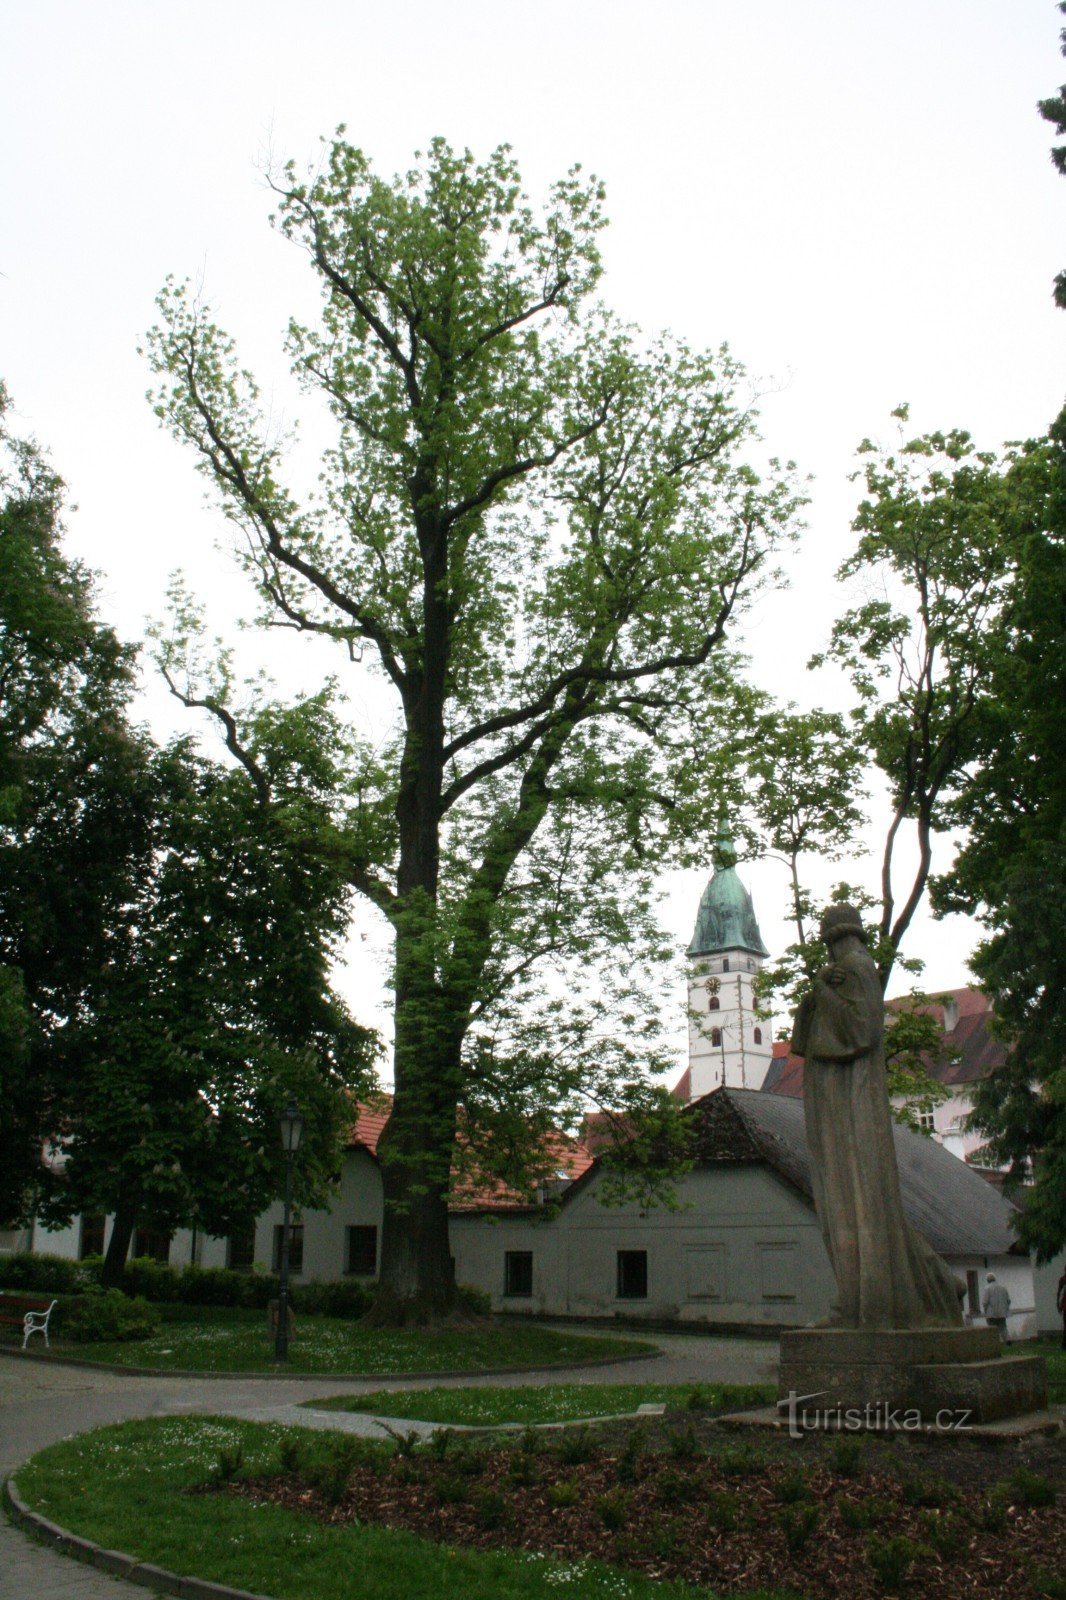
column 726, row 918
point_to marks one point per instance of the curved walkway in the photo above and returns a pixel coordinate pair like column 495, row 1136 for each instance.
column 41, row 1402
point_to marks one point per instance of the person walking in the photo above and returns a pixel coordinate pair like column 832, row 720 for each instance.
column 996, row 1305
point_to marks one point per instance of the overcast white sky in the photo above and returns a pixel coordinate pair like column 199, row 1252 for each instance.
column 856, row 195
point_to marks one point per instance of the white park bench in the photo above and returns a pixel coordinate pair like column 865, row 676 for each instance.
column 32, row 1310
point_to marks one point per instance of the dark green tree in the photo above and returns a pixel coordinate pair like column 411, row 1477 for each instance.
column 166, row 925
column 1011, row 870
column 535, row 528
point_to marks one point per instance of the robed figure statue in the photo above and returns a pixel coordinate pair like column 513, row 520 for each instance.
column 887, row 1275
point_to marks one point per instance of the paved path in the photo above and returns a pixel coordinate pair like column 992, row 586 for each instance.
column 40, row 1403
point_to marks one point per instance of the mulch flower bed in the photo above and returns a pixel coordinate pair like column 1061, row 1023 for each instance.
column 824, row 1520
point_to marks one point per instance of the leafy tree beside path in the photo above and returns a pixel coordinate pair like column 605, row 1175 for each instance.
column 537, row 527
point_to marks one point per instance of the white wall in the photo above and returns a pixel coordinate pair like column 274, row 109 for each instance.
column 744, row 1247
column 358, row 1202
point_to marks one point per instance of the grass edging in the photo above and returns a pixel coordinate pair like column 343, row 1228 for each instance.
column 338, row 1377
column 116, row 1563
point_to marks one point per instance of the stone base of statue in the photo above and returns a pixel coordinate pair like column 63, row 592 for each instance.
column 885, row 1375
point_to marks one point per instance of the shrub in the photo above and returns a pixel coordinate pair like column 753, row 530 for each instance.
column 723, row 1510
column 627, row 1468
column 439, row 1441
column 856, row 1514
column 451, row 1491
column 612, row 1510
column 290, row 1454
column 892, row 1559
column 797, row 1523
column 151, row 1280
column 740, row 1463
column 470, row 1460
column 332, row 1474
column 491, row 1509
column 675, row 1488
column 684, row 1446
column 844, row 1457
column 995, row 1508
column 922, row 1492
column 42, row 1274
column 567, row 1492
column 522, row 1468
column 346, row 1297
column 109, row 1315
column 229, row 1463
column 1031, row 1489
column 792, row 1488
column 576, row 1446
column 946, row 1533
column 474, row 1301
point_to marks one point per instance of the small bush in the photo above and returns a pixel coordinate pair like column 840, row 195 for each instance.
column 332, row 1474
column 892, row 1559
column 474, row 1301
column 1049, row 1585
column 683, row 1444
column 451, row 1491
column 1031, row 1489
column 723, row 1510
column 439, row 1442
column 109, row 1316
column 860, row 1514
column 945, row 1532
column 346, row 1297
column 530, row 1440
column 470, row 1460
column 926, row 1492
column 741, row 1463
column 792, row 1488
column 676, row 1488
column 575, row 1446
column 522, row 1468
column 491, row 1509
column 151, row 1280
column 612, row 1510
column 844, row 1457
column 567, row 1492
column 628, row 1465
column 290, row 1454
column 798, row 1523
column 995, row 1508
column 44, row 1274
column 229, row 1463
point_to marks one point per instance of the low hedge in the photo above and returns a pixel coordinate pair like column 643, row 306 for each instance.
column 43, row 1274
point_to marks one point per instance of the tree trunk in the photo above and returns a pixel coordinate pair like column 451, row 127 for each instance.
column 118, row 1247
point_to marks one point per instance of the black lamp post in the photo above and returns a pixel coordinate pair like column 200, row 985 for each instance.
column 291, row 1125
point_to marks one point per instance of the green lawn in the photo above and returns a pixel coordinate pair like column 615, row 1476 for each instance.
column 214, row 1339
column 554, row 1402
column 1055, row 1356
column 122, row 1487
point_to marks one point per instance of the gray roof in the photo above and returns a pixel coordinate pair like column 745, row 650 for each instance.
column 959, row 1213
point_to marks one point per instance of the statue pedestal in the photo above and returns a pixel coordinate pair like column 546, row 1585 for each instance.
column 882, row 1374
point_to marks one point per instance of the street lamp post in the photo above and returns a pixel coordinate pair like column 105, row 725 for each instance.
column 291, row 1125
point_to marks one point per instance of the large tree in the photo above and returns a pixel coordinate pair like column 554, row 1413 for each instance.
column 166, row 924
column 535, row 526
column 1011, row 870
column 932, row 566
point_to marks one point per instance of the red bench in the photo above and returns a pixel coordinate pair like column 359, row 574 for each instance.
column 31, row 1310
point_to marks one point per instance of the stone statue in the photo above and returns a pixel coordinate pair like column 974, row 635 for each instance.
column 887, row 1275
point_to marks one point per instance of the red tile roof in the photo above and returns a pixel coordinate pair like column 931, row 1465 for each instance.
column 978, row 1052
column 562, row 1155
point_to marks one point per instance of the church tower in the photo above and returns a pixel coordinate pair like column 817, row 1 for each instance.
column 727, row 1042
